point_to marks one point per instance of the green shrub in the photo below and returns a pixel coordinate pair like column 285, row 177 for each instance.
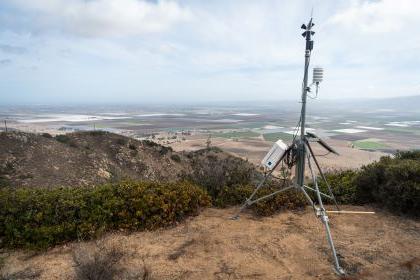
column 236, row 195
column 342, row 184
column 98, row 132
column 39, row 218
column 392, row 183
column 66, row 140
column 164, row 150
column 62, row 138
column 4, row 182
column 415, row 155
column 215, row 172
column 122, row 141
column 176, row 158
column 230, row 181
column 150, row 143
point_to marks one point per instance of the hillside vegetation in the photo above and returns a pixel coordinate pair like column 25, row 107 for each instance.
column 392, row 183
column 39, row 218
column 82, row 159
column 80, row 185
column 55, row 189
column 97, row 157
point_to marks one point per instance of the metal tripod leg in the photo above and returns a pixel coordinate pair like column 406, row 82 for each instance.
column 312, row 189
column 269, row 195
column 324, row 218
column 322, row 175
column 307, row 197
column 248, row 200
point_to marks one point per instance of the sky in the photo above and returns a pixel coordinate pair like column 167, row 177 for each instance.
column 95, row 51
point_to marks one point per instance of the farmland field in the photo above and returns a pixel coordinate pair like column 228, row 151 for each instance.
column 236, row 134
column 273, row 137
column 369, row 144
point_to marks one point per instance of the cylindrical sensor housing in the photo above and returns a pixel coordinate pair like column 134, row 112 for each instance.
column 318, row 75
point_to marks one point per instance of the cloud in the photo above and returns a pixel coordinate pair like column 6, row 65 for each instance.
column 12, row 49
column 219, row 49
column 379, row 16
column 5, row 61
column 101, row 18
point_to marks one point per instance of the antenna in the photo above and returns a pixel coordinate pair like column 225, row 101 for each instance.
column 300, row 153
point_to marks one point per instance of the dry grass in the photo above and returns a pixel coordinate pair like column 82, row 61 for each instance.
column 102, row 261
column 289, row 245
column 97, row 262
column 25, row 274
column 181, row 250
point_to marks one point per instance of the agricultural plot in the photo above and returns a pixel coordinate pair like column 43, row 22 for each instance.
column 236, row 134
column 273, row 137
column 369, row 144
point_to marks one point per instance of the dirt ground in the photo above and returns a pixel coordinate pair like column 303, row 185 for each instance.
column 289, row 245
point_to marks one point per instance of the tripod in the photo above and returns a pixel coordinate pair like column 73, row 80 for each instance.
column 318, row 207
column 301, row 151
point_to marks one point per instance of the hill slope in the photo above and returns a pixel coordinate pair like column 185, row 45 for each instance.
column 87, row 158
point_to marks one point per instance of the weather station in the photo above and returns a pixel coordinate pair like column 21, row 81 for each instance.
column 300, row 155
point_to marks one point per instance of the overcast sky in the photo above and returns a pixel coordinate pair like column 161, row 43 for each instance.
column 149, row 51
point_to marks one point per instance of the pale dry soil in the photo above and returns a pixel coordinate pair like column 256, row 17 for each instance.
column 255, row 149
column 288, row 245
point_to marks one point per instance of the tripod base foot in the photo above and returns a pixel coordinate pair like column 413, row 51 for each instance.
column 234, row 218
column 339, row 271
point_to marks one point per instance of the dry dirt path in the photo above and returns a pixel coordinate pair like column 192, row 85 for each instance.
column 289, row 245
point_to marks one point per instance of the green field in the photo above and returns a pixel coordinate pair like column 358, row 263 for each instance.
column 273, row 137
column 236, row 134
column 408, row 130
column 369, row 145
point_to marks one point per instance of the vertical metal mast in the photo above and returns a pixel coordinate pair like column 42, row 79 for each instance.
column 300, row 167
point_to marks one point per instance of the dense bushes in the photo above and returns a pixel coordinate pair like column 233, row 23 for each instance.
column 42, row 217
column 231, row 180
column 391, row 182
column 342, row 185
column 62, row 138
column 66, row 140
column 39, row 218
column 215, row 171
column 176, row 158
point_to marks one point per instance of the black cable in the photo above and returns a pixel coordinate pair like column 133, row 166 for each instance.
column 296, row 129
